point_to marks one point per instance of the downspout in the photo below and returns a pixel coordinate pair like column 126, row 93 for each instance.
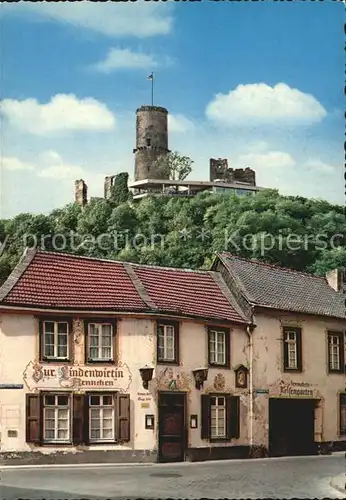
column 249, row 331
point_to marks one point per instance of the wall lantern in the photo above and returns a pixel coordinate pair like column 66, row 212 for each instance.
column 146, row 375
column 200, row 376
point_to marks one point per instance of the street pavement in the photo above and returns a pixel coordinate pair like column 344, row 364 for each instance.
column 299, row 477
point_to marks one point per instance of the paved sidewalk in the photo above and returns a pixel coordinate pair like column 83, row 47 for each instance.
column 339, row 483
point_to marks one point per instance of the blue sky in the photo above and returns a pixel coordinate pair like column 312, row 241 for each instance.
column 258, row 83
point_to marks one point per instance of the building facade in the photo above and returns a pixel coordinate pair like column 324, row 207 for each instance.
column 296, row 355
column 139, row 362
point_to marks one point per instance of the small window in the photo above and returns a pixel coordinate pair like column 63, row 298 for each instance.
column 55, row 339
column 342, row 403
column 292, row 349
column 167, row 342
column 56, row 418
column 101, row 418
column 100, row 342
column 220, row 418
column 218, row 347
column 336, row 352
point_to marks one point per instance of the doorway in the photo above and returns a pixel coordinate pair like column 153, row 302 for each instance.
column 172, row 427
column 292, row 427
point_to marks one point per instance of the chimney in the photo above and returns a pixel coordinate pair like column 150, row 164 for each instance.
column 81, row 192
column 336, row 278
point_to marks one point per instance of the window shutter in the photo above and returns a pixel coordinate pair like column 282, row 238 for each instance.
column 114, row 333
column 228, row 348
column 342, row 352
column 40, row 339
column 285, row 350
column 299, row 349
column 78, row 418
column 205, row 416
column 86, row 419
column 33, row 418
column 123, row 420
column 233, row 417
column 70, row 341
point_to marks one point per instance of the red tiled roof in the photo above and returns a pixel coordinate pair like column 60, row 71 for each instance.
column 65, row 281
column 186, row 292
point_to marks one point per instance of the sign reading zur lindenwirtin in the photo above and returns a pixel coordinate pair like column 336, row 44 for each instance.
column 37, row 376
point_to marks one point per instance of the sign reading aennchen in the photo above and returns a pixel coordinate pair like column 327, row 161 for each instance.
column 76, row 377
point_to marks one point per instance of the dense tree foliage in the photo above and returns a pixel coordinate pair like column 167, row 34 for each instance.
column 290, row 231
column 173, row 166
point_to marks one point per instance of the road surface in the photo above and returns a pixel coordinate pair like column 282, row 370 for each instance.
column 302, row 477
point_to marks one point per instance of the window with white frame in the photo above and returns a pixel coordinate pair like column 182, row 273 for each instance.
column 217, row 347
column 55, row 339
column 166, row 342
column 100, row 336
column 56, row 418
column 334, row 352
column 218, row 417
column 291, row 343
column 101, row 418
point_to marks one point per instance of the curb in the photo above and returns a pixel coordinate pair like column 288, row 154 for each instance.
column 5, row 468
column 339, row 483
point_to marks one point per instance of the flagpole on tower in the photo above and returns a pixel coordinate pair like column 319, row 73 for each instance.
column 151, row 77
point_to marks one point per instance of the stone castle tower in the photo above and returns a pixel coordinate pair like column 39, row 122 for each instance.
column 151, row 140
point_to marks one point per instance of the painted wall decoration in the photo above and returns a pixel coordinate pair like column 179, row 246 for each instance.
column 78, row 331
column 173, row 379
column 49, row 376
column 219, row 382
column 241, row 373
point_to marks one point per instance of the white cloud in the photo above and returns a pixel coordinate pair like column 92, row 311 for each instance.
column 15, row 164
column 62, row 172
column 63, row 112
column 320, row 166
column 269, row 160
column 179, row 124
column 142, row 19
column 125, row 59
column 259, row 103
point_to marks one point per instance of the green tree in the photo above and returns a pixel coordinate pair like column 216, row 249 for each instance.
column 120, row 192
column 173, row 165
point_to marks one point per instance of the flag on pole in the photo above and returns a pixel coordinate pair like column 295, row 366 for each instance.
column 151, row 76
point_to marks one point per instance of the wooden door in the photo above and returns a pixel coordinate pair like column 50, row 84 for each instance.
column 172, row 427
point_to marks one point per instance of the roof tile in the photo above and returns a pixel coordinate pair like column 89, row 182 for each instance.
column 281, row 288
column 66, row 281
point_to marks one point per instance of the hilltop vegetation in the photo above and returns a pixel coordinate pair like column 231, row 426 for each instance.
column 290, row 231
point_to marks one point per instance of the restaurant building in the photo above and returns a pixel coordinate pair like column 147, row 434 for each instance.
column 107, row 361
column 296, row 355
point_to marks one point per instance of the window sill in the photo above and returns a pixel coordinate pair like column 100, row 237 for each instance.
column 220, row 440
column 58, row 444
column 100, row 362
column 167, row 362
column 216, row 365
column 293, row 370
column 55, row 361
column 336, row 372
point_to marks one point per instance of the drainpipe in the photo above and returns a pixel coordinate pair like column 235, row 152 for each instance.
column 249, row 331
